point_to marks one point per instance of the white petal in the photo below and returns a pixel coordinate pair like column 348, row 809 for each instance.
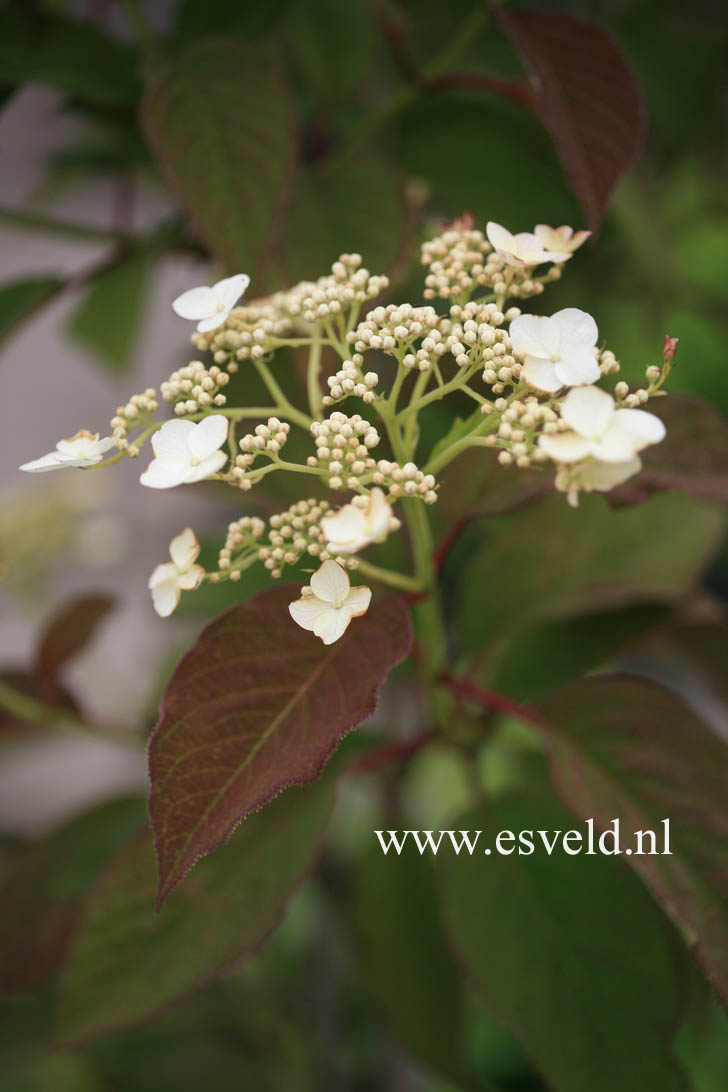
column 564, row 447
column 577, row 328
column 540, row 374
column 605, row 476
column 552, row 238
column 332, row 625
column 228, row 291
column 166, row 473
column 184, row 548
column 577, row 366
column 306, row 610
column 191, row 578
column 51, row 461
column 358, row 600
column 644, row 428
column 345, row 530
column 104, row 444
column 206, row 468
column 172, row 439
column 378, row 514
column 588, row 411
column 614, row 447
column 535, row 335
column 212, row 322
column 330, row 583
column 165, row 597
column 163, row 574
column 499, row 237
column 196, row 303
column 208, row 436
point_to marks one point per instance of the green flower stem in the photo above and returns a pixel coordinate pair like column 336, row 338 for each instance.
column 36, row 712
column 283, row 406
column 454, row 384
column 313, row 379
column 387, row 576
column 411, row 431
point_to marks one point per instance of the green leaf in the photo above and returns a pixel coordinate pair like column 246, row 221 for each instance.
column 128, row 963
column 41, row 897
column 20, row 299
column 255, row 17
column 570, row 952
column 76, row 57
column 256, row 705
column 333, row 46
column 629, row 749
column 69, row 631
column 356, row 206
column 405, row 964
column 221, row 125
column 571, row 561
column 109, row 315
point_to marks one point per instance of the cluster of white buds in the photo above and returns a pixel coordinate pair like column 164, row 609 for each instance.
column 296, row 532
column 608, row 363
column 394, row 328
column 473, row 335
column 350, row 380
column 246, row 333
column 630, row 399
column 405, row 481
column 134, row 413
column 458, row 260
column 195, row 387
column 242, row 535
column 342, row 447
column 349, row 283
column 516, row 435
column 268, row 437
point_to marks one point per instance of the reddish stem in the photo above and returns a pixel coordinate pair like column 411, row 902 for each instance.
column 390, row 752
column 491, row 699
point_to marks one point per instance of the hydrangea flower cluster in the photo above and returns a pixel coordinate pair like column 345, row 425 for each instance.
column 531, row 380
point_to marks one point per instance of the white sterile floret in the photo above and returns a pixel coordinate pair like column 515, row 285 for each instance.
column 563, row 239
column 353, row 527
column 557, row 351
column 186, row 452
column 178, row 575
column 524, row 248
column 83, row 449
column 605, row 438
column 209, row 307
column 329, row 604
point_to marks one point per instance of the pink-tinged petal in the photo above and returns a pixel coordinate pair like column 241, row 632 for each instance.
column 196, row 303
column 499, row 237
column 541, row 375
column 165, row 597
column 332, row 625
column 191, row 579
column 212, row 322
column 228, row 291
column 605, row 476
column 51, row 461
column 564, row 447
column 165, row 473
column 577, row 366
column 206, row 468
column 577, row 328
column 306, row 611
column 172, row 439
column 588, row 410
column 358, row 600
column 644, row 428
column 165, row 572
column 208, row 436
column 330, row 583
column 534, row 336
column 184, row 548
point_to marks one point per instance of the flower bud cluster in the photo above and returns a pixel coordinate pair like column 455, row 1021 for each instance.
column 473, row 335
column 404, row 481
column 461, row 259
column 268, row 437
column 136, row 412
column 342, row 448
column 246, row 333
column 243, row 534
column 350, row 380
column 296, row 532
column 518, row 429
column 347, row 284
column 394, row 329
column 608, row 363
column 627, row 399
column 195, row 387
